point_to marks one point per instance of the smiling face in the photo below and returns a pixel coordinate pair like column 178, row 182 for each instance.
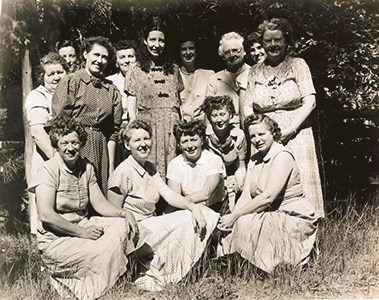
column 275, row 45
column 68, row 147
column 220, row 118
column 69, row 55
column 257, row 53
column 191, row 146
column 233, row 53
column 188, row 52
column 261, row 137
column 139, row 144
column 124, row 58
column 155, row 43
column 96, row 59
column 53, row 74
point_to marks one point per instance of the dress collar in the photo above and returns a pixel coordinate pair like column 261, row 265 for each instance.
column 87, row 78
column 79, row 164
column 274, row 150
column 140, row 170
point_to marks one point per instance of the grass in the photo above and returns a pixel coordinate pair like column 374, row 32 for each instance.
column 347, row 266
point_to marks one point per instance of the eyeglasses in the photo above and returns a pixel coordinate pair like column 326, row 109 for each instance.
column 232, row 52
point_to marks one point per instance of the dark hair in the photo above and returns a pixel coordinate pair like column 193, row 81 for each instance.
column 124, row 133
column 63, row 125
column 164, row 60
column 271, row 124
column 218, row 102
column 252, row 38
column 88, row 44
column 51, row 58
column 65, row 43
column 125, row 44
column 278, row 24
column 190, row 128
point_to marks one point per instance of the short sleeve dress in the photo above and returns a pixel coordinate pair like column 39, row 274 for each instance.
column 285, row 232
column 88, row 268
column 158, row 104
column 97, row 105
column 171, row 240
column 280, row 96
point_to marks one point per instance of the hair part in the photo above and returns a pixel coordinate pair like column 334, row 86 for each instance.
column 125, row 132
column 212, row 103
column 227, row 37
column 63, row 125
column 270, row 124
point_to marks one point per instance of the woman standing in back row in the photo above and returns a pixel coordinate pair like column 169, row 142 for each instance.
column 156, row 84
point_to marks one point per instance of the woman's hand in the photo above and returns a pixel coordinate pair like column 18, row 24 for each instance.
column 239, row 179
column 198, row 221
column 91, row 232
column 130, row 222
column 226, row 222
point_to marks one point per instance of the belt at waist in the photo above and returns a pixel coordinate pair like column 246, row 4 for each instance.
column 94, row 128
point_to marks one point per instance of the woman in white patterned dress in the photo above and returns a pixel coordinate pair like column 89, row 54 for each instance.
column 172, row 246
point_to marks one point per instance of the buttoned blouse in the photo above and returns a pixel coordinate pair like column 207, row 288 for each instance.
column 137, row 187
column 71, row 187
column 192, row 176
column 93, row 105
column 38, row 106
column 232, row 151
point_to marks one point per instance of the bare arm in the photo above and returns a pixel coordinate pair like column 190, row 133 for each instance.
column 209, row 186
column 111, row 155
column 42, row 139
column 132, row 108
column 279, row 173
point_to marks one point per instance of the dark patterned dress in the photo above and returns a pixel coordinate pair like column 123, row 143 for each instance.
column 158, row 104
column 97, row 105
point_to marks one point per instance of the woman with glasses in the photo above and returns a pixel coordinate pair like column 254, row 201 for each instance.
column 282, row 88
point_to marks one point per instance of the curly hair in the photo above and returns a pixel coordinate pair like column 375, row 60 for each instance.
column 63, row 125
column 251, row 39
column 212, row 103
column 270, row 124
column 65, row 43
column 190, row 128
column 88, row 44
column 229, row 36
column 277, row 24
column 124, row 133
column 51, row 58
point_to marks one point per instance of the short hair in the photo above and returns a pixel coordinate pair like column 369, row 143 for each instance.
column 227, row 37
column 278, row 24
column 218, row 102
column 271, row 124
column 88, row 44
column 124, row 133
column 190, row 128
column 126, row 44
column 65, row 43
column 251, row 39
column 63, row 125
column 51, row 58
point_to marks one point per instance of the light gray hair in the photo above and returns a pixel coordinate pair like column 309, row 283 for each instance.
column 227, row 37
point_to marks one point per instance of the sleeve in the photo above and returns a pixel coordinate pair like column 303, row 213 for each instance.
column 215, row 166
column 62, row 100
column 117, row 113
column 250, row 85
column 242, row 147
column 304, row 78
column 211, row 86
column 131, row 81
column 241, row 80
column 173, row 171
column 37, row 108
column 121, row 179
column 180, row 81
column 47, row 176
column 91, row 175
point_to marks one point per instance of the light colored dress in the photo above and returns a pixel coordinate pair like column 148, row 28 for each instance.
column 192, row 176
column 284, row 234
column 171, row 240
column 280, row 97
column 119, row 81
column 85, row 267
column 193, row 95
column 38, row 112
column 232, row 152
column 225, row 83
column 158, row 104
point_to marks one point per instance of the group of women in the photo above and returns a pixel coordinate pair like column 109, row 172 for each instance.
column 97, row 208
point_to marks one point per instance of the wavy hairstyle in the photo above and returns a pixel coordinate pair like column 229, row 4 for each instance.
column 218, row 102
column 124, row 133
column 190, row 128
column 227, row 37
column 88, row 44
column 51, row 58
column 63, row 125
column 277, row 24
column 270, row 124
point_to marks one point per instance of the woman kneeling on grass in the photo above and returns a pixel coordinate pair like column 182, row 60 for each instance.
column 85, row 256
column 172, row 246
column 272, row 222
